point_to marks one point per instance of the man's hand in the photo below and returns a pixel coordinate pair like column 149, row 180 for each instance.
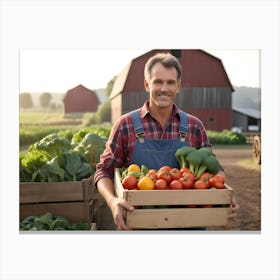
column 118, row 208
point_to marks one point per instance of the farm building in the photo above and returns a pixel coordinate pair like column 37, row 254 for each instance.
column 80, row 100
column 247, row 119
column 205, row 88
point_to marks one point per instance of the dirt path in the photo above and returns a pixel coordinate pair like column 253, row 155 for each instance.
column 244, row 176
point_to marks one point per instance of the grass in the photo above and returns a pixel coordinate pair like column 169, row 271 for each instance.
column 249, row 164
column 27, row 117
column 41, row 117
column 232, row 146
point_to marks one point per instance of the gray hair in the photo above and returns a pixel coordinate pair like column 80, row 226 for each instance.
column 167, row 60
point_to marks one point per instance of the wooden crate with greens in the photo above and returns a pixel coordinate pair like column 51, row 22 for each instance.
column 72, row 200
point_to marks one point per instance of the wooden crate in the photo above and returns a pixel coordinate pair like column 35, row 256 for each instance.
column 176, row 215
column 72, row 200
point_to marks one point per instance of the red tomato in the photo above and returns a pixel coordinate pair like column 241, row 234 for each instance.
column 175, row 174
column 190, row 206
column 187, row 181
column 175, row 185
column 190, row 175
column 185, row 169
column 164, row 174
column 219, row 185
column 152, row 176
column 206, row 176
column 218, row 178
column 129, row 182
column 165, row 167
column 200, row 185
column 161, row 184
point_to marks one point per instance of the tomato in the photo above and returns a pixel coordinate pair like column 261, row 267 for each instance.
column 133, row 167
column 190, row 206
column 152, row 176
column 152, row 171
column 187, row 181
column 160, row 184
column 218, row 178
column 146, row 183
column 165, row 175
column 175, row 185
column 185, row 170
column 219, row 185
column 200, row 185
column 129, row 182
column 175, row 174
column 206, row 206
column 206, row 176
column 190, row 175
column 165, row 167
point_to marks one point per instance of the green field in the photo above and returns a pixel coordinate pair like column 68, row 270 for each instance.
column 40, row 117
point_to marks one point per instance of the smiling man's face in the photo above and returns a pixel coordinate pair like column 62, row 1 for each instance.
column 163, row 85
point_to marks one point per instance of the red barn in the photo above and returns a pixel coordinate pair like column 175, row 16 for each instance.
column 205, row 88
column 80, row 100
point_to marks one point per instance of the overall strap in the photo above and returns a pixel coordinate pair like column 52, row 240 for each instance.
column 183, row 129
column 137, row 125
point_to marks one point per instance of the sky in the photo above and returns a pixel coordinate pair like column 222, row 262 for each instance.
column 61, row 70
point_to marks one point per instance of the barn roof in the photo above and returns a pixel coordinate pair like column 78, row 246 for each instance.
column 198, row 76
column 256, row 114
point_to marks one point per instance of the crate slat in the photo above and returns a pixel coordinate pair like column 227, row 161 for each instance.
column 75, row 212
column 178, row 197
column 31, row 192
column 177, row 218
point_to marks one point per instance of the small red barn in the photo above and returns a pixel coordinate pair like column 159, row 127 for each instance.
column 80, row 100
column 205, row 92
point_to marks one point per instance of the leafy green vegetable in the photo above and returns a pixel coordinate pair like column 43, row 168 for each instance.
column 52, row 159
column 78, row 136
column 48, row 222
column 92, row 146
column 181, row 155
column 75, row 168
column 202, row 160
column 33, row 160
column 55, row 169
column 212, row 164
column 59, row 224
column 194, row 160
column 51, row 145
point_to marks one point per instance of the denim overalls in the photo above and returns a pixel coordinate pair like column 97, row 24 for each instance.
column 157, row 153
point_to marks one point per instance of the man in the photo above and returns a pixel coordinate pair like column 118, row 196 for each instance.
column 151, row 134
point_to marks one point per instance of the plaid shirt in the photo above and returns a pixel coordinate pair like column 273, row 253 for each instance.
column 120, row 145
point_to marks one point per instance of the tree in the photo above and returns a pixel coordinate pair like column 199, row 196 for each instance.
column 45, row 99
column 110, row 85
column 25, row 101
column 104, row 111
